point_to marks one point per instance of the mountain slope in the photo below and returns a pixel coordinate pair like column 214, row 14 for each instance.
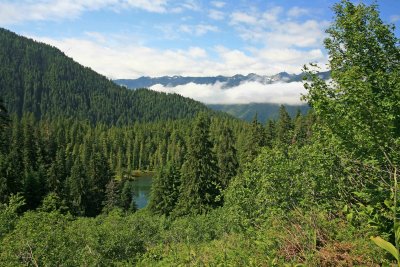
column 38, row 78
column 264, row 111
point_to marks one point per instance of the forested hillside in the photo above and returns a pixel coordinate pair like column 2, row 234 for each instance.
column 307, row 190
column 264, row 111
column 38, row 78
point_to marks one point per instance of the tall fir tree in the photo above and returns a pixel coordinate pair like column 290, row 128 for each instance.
column 112, row 196
column 13, row 171
column 4, row 118
column 57, row 173
column 284, row 128
column 254, row 141
column 98, row 175
column 127, row 202
column 226, row 154
column 299, row 129
column 165, row 189
column 200, row 188
column 270, row 133
column 77, row 188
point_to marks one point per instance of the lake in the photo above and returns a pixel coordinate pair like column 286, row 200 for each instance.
column 141, row 190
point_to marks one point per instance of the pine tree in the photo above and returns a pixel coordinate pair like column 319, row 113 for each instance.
column 200, row 188
column 29, row 156
column 112, row 196
column 284, row 127
column 254, row 141
column 57, row 173
column 226, row 156
column 127, row 201
column 14, row 175
column 32, row 189
column 4, row 118
column 77, row 188
column 165, row 190
column 98, row 176
column 299, row 129
column 270, row 133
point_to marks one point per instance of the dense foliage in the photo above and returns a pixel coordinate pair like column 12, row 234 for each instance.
column 299, row 191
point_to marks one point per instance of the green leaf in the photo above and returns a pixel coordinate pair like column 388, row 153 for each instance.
column 388, row 203
column 386, row 246
column 350, row 216
column 345, row 208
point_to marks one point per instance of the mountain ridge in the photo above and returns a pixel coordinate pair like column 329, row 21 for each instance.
column 39, row 78
column 229, row 81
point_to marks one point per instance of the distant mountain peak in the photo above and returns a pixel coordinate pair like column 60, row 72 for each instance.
column 228, row 81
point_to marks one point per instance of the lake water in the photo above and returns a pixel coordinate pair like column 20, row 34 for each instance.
column 141, row 190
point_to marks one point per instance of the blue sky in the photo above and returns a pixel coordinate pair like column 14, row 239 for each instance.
column 133, row 38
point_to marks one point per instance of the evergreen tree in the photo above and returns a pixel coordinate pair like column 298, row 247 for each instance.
column 200, row 188
column 226, row 156
column 4, row 118
column 77, row 188
column 57, row 173
column 29, row 156
column 127, row 200
column 284, row 127
column 299, row 129
column 254, row 141
column 12, row 163
column 112, row 196
column 270, row 133
column 34, row 188
column 98, row 175
column 165, row 190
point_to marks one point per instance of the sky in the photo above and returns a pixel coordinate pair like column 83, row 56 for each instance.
column 133, row 38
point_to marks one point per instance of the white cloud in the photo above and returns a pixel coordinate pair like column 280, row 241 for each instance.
column 290, row 56
column 125, row 58
column 168, row 31
column 290, row 34
column 273, row 30
column 297, row 12
column 271, row 15
column 218, row 4
column 216, row 14
column 191, row 5
column 199, row 29
column 158, row 6
column 100, row 38
column 12, row 12
column 197, row 52
column 249, row 92
column 238, row 18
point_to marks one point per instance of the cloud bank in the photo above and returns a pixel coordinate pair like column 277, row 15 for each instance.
column 248, row 92
column 125, row 59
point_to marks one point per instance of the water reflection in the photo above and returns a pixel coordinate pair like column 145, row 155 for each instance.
column 141, row 190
